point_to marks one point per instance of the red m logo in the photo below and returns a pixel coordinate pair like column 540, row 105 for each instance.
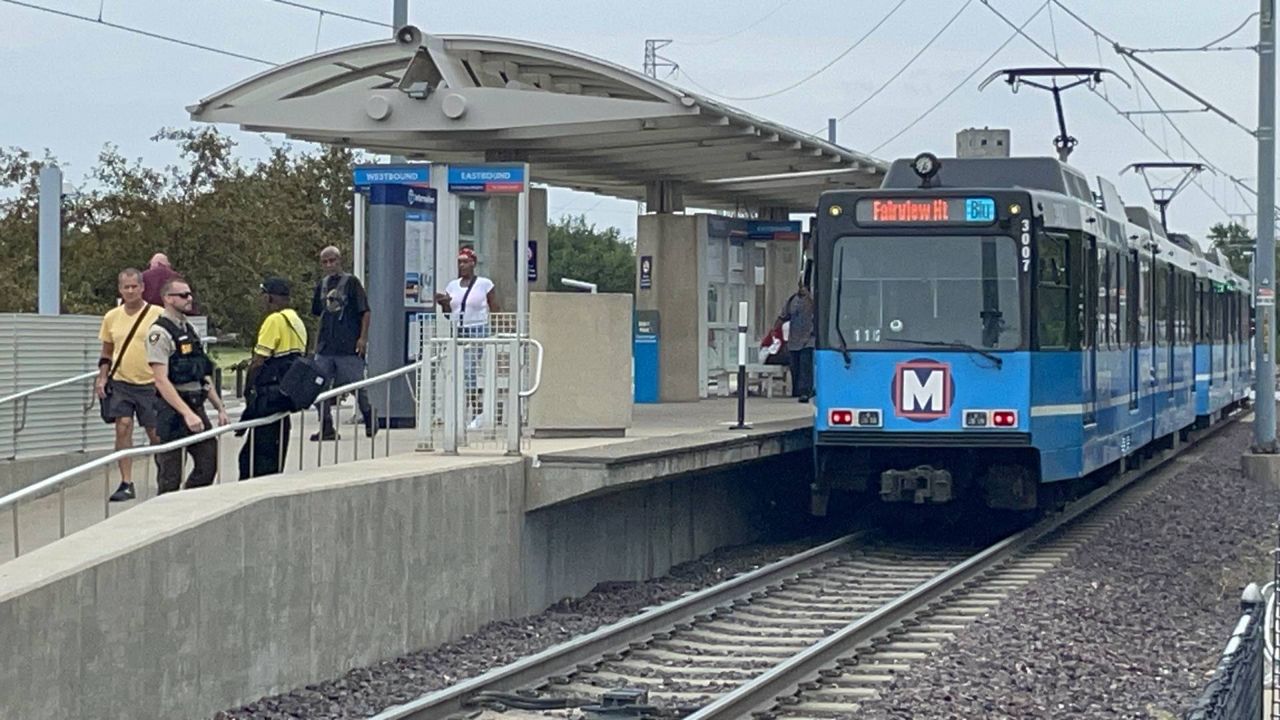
column 922, row 390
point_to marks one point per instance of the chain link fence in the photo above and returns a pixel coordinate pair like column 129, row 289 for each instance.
column 1235, row 692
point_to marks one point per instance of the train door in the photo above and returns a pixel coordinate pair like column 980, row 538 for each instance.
column 1135, row 337
column 1091, row 331
column 1171, row 280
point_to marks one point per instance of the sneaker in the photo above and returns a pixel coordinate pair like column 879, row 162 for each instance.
column 330, row 435
column 123, row 493
column 370, row 430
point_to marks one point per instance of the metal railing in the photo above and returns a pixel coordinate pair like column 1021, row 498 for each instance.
column 1235, row 692
column 23, row 397
column 20, row 420
column 473, row 382
column 66, row 479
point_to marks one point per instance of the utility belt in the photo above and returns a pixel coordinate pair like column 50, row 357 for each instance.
column 192, row 398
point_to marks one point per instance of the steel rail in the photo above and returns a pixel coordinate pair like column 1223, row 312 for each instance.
column 784, row 680
column 566, row 656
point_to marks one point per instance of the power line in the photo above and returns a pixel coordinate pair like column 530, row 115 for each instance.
column 1158, row 146
column 722, row 38
column 138, row 31
column 1053, row 32
column 903, row 69
column 808, row 77
column 1164, row 114
column 963, row 82
column 322, row 11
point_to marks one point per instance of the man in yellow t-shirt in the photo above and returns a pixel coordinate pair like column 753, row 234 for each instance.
column 282, row 338
column 125, row 386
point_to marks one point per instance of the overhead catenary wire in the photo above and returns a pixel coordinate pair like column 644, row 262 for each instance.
column 684, row 73
column 1164, row 114
column 1145, row 134
column 908, row 64
column 739, row 31
column 138, row 31
column 963, row 82
column 323, row 11
column 1211, row 45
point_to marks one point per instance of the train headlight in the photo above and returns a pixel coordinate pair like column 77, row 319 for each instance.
column 868, row 418
column 835, row 210
column 975, row 418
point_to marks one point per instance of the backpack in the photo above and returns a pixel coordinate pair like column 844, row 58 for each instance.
column 302, row 382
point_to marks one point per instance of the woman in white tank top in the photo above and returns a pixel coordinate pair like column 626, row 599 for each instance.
column 468, row 300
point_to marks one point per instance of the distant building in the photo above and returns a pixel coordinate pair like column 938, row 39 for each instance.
column 984, row 143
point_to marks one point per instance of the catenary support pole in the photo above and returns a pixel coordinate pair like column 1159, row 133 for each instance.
column 50, row 244
column 1264, row 425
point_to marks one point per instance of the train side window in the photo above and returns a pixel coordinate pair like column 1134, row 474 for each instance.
column 1104, row 299
column 1161, row 296
column 1091, row 334
column 1193, row 316
column 1054, row 292
column 1122, row 299
column 1144, row 301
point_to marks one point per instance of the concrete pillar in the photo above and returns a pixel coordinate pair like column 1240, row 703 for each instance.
column 671, row 242
column 664, row 196
column 50, row 244
column 502, row 238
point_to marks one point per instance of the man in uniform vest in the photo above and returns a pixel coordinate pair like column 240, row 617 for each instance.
column 182, row 375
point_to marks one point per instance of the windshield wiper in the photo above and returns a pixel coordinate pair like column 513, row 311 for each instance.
column 844, row 346
column 956, row 345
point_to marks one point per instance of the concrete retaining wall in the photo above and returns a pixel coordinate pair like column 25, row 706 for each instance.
column 207, row 599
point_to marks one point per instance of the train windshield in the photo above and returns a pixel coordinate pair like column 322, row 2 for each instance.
column 900, row 291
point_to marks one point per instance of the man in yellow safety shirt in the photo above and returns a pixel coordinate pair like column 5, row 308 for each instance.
column 282, row 339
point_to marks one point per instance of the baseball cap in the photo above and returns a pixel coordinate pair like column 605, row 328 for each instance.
column 275, row 286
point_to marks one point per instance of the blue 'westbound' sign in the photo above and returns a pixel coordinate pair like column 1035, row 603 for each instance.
column 392, row 175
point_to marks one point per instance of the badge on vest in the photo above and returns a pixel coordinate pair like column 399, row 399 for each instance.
column 185, row 348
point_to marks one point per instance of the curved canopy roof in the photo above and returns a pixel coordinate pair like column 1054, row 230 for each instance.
column 579, row 121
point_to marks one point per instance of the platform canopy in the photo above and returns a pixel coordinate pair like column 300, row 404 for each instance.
column 580, row 122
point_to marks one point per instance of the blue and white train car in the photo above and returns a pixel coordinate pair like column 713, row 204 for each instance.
column 991, row 327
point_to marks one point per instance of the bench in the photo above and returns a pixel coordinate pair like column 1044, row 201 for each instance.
column 759, row 376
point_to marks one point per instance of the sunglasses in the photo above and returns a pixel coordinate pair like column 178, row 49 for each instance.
column 183, row 295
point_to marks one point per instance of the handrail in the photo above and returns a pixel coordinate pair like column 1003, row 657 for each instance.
column 68, row 381
column 53, row 482
column 48, row 386
column 537, row 371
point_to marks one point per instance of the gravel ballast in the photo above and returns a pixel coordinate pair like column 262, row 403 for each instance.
column 363, row 692
column 1128, row 627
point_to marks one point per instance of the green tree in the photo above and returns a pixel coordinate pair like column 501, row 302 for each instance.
column 225, row 224
column 579, row 251
column 1233, row 242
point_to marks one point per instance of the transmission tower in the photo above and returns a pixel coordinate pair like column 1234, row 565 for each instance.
column 653, row 61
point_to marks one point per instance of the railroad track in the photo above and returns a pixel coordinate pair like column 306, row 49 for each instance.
column 809, row 636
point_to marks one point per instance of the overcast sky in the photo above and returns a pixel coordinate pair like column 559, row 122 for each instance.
column 73, row 86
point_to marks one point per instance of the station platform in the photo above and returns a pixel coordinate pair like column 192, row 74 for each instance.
column 229, row 593
column 664, row 440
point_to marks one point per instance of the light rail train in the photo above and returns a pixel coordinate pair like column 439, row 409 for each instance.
column 992, row 329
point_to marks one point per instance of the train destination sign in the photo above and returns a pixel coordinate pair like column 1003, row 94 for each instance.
column 926, row 211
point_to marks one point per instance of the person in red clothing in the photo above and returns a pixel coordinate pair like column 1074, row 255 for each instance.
column 157, row 274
